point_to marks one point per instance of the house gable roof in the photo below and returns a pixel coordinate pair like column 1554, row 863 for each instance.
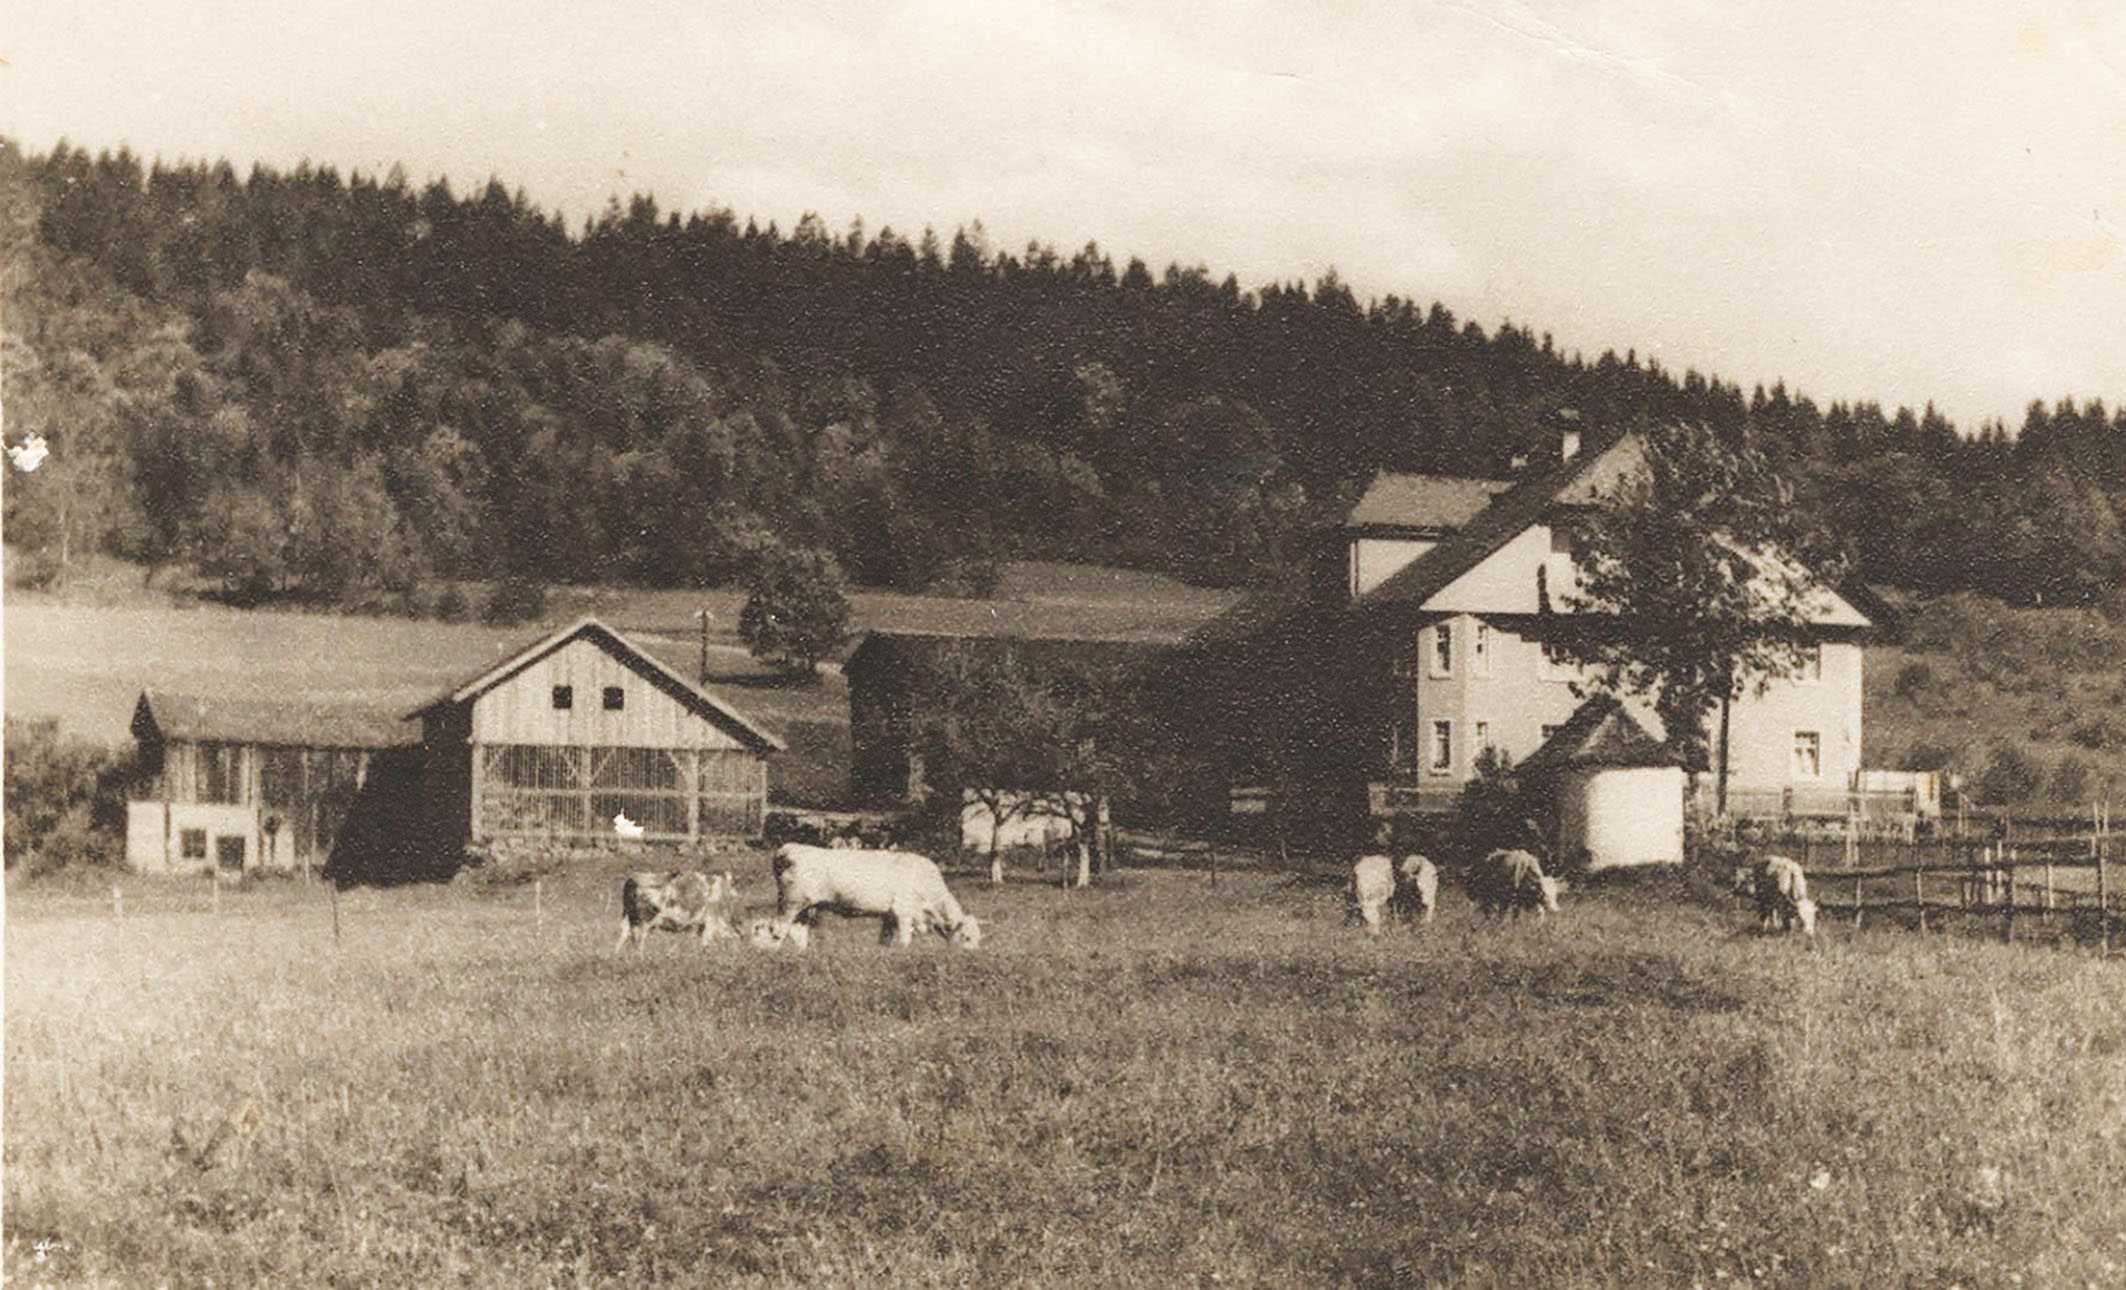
column 1575, row 485
column 160, row 715
column 1579, row 482
column 1600, row 734
column 1422, row 503
column 689, row 694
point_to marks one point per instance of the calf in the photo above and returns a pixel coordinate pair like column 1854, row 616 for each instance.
column 1514, row 881
column 1782, row 893
column 1372, row 887
column 904, row 891
column 684, row 901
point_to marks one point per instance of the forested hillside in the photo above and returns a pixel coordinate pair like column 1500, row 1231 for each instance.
column 345, row 388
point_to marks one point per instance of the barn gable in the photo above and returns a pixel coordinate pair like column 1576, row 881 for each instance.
column 587, row 684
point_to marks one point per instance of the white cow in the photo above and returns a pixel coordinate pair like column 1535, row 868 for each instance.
column 903, row 890
column 1514, row 880
column 1372, row 887
column 1782, row 892
column 1417, row 887
column 684, row 901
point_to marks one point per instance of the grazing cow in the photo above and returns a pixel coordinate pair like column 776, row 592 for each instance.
column 1514, row 880
column 903, row 890
column 1417, row 888
column 683, row 901
column 1782, row 893
column 1372, row 887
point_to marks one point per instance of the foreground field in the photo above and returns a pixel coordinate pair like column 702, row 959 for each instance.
column 1159, row 1082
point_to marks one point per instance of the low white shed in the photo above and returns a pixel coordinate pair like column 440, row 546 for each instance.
column 1617, row 792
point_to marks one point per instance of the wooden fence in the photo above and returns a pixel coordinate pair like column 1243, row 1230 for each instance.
column 2069, row 882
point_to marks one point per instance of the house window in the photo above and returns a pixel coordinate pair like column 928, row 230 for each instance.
column 1553, row 666
column 1483, row 735
column 1811, row 668
column 1480, row 650
column 1442, row 759
column 192, row 843
column 1808, row 754
column 1443, row 650
column 564, row 697
column 221, row 773
column 615, row 698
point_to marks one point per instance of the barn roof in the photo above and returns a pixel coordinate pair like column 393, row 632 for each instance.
column 1422, row 501
column 1600, row 734
column 285, row 722
column 672, row 682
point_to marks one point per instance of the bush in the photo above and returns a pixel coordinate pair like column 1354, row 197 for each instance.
column 796, row 612
column 1926, row 756
column 2011, row 775
column 515, row 599
column 2099, row 734
column 450, row 605
column 2071, row 780
column 65, row 800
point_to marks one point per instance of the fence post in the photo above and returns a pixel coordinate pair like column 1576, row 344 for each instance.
column 2008, row 921
column 2103, row 902
column 539, row 902
column 334, row 887
column 1919, row 896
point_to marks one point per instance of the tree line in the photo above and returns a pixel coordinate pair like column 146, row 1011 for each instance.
column 348, row 388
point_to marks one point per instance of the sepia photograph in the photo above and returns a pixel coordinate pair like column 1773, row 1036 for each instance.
column 1072, row 643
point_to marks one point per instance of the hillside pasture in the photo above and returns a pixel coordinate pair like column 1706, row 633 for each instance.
column 1158, row 1081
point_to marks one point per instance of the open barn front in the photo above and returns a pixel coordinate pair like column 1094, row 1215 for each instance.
column 672, row 794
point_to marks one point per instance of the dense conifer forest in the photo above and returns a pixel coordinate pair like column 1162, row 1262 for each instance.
column 347, row 388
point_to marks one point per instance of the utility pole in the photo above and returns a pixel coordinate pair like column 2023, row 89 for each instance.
column 704, row 615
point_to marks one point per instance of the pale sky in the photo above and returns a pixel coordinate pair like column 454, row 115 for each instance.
column 1903, row 201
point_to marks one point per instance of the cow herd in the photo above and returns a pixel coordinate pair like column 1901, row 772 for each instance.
column 906, row 892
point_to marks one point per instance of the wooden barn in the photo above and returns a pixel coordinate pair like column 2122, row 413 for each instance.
column 236, row 785
column 582, row 726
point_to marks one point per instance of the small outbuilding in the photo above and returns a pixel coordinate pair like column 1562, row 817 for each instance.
column 1617, row 793
column 236, row 785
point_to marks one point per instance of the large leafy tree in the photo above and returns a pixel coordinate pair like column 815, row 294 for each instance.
column 796, row 611
column 1697, row 582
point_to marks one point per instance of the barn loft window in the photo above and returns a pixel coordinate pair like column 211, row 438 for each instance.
column 1442, row 758
column 1443, row 650
column 564, row 697
column 1808, row 754
column 615, row 698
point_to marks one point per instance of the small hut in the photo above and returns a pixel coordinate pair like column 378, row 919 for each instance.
column 1618, row 794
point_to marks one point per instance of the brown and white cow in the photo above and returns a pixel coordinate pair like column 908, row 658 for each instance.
column 1782, row 894
column 904, row 891
column 1513, row 881
column 680, row 901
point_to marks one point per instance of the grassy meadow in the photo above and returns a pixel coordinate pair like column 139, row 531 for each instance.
column 1159, row 1081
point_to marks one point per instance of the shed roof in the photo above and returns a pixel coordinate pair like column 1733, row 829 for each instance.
column 1423, row 501
column 1600, row 734
column 878, row 646
column 291, row 723
column 672, row 682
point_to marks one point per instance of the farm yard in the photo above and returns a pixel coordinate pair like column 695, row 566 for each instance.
column 1157, row 1081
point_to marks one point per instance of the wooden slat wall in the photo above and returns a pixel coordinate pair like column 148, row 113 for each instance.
column 521, row 709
